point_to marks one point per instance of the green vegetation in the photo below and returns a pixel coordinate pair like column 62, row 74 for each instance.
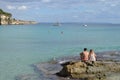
column 5, row 13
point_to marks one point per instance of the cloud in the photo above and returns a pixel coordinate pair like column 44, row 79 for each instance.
column 103, row 0
column 11, row 7
column 19, row 1
column 25, row 1
column 46, row 1
column 82, row 9
column 75, row 16
column 22, row 7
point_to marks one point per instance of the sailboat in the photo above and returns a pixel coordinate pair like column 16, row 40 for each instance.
column 57, row 24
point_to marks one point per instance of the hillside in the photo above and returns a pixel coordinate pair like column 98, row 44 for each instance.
column 5, row 13
column 6, row 19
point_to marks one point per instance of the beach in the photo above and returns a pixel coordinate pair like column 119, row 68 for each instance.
column 22, row 46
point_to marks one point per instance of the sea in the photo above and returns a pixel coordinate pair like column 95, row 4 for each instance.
column 24, row 45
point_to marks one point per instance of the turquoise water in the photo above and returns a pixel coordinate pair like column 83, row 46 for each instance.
column 23, row 45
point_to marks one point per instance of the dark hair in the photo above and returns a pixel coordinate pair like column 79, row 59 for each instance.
column 91, row 50
column 85, row 49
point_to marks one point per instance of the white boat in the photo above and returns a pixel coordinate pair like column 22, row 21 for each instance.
column 85, row 25
column 57, row 24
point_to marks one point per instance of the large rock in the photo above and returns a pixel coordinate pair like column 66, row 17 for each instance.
column 89, row 71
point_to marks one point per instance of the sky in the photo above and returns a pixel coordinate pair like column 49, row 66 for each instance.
column 100, row 11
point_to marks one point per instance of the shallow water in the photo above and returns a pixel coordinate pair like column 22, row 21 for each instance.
column 23, row 45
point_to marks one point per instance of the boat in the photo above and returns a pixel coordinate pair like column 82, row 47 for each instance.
column 57, row 24
column 85, row 25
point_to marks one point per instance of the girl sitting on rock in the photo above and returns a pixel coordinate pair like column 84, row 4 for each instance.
column 92, row 56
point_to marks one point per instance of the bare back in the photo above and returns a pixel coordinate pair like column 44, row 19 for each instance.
column 84, row 55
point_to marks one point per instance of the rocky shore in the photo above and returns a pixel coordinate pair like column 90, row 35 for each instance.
column 100, row 70
column 6, row 19
column 107, row 67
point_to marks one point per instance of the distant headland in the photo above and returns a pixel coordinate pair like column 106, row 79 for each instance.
column 6, row 19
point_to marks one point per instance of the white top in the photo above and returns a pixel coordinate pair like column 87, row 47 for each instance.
column 92, row 57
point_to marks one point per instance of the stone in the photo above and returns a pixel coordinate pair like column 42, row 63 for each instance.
column 88, row 70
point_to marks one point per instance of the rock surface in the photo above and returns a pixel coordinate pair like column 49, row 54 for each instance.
column 89, row 71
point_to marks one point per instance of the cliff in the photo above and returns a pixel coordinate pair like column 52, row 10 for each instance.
column 6, row 18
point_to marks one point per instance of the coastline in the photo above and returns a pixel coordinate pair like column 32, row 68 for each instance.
column 6, row 19
column 47, row 70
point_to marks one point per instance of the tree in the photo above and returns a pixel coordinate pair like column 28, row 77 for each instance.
column 5, row 13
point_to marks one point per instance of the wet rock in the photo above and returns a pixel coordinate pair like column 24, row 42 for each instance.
column 48, row 68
